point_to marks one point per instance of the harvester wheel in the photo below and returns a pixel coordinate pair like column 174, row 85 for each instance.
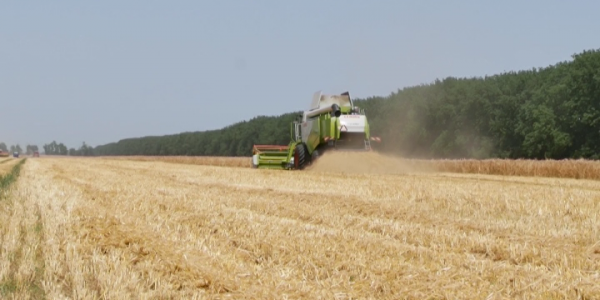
column 300, row 156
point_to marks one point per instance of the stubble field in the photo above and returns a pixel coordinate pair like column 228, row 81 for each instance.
column 353, row 226
column 6, row 164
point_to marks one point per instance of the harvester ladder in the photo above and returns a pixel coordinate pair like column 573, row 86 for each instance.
column 297, row 134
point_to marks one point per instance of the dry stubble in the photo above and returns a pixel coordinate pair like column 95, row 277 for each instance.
column 128, row 229
column 7, row 164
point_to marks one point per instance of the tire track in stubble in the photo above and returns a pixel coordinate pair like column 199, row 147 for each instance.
column 139, row 242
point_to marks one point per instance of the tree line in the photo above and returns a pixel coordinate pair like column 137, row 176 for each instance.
column 52, row 148
column 55, row 148
column 551, row 112
column 29, row 149
column 233, row 140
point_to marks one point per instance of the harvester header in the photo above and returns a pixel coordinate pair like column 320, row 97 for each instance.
column 331, row 123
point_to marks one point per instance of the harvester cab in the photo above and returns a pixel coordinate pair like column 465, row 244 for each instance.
column 331, row 123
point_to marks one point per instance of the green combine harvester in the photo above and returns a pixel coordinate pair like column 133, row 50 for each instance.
column 332, row 123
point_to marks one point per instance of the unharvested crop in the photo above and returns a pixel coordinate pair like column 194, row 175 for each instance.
column 377, row 163
column 122, row 229
column 568, row 168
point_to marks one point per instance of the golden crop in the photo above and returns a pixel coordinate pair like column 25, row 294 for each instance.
column 568, row 168
column 345, row 228
column 7, row 163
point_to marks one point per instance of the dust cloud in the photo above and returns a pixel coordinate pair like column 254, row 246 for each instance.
column 363, row 163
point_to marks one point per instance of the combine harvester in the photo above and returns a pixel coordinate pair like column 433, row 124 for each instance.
column 332, row 123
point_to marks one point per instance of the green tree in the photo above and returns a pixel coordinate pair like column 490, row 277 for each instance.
column 550, row 112
column 51, row 148
column 85, row 150
column 62, row 149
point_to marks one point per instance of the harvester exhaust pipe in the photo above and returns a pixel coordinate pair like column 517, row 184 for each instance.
column 334, row 109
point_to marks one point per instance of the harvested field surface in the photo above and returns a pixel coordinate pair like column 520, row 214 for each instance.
column 192, row 160
column 7, row 164
column 89, row 228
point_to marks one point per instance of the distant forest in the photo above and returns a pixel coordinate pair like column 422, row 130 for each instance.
column 551, row 112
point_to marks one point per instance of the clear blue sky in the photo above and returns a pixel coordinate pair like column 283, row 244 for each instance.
column 100, row 71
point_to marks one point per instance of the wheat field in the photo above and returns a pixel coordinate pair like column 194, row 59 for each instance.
column 6, row 164
column 348, row 227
